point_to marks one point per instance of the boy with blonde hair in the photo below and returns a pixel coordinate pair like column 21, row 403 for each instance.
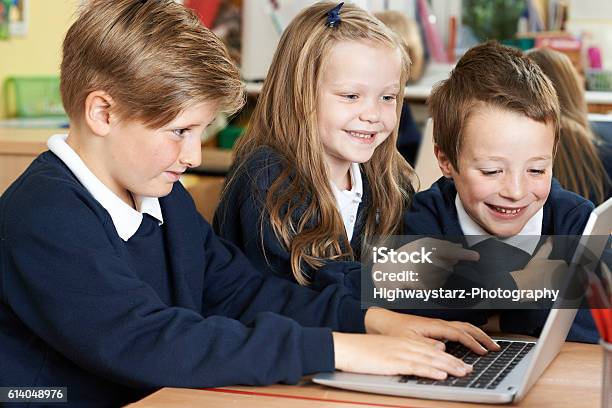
column 111, row 283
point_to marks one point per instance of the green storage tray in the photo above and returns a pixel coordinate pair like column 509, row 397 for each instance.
column 33, row 96
column 599, row 80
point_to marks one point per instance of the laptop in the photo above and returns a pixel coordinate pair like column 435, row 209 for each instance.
column 499, row 377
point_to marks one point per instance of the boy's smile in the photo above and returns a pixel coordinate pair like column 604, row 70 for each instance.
column 506, row 212
column 505, row 169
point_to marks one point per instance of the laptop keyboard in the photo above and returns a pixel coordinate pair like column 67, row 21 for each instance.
column 489, row 370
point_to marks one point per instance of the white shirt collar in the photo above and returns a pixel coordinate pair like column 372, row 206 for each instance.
column 348, row 201
column 356, row 182
column 526, row 240
column 125, row 218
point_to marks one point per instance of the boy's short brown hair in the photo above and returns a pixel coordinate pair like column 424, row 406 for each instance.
column 493, row 75
column 153, row 57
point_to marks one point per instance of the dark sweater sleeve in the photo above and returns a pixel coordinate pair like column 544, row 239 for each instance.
column 237, row 288
column 345, row 273
column 64, row 279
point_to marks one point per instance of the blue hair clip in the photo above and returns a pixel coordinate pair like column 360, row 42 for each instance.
column 333, row 16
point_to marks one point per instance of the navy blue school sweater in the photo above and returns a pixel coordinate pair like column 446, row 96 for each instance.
column 115, row 320
column 433, row 212
column 241, row 218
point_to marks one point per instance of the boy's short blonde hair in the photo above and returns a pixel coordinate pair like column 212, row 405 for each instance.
column 153, row 57
column 493, row 75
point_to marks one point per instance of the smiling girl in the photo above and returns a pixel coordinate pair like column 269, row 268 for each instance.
column 320, row 148
column 317, row 172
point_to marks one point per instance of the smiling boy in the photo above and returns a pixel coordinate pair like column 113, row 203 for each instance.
column 496, row 123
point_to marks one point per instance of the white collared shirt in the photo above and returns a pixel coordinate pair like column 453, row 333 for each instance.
column 348, row 201
column 526, row 240
column 125, row 219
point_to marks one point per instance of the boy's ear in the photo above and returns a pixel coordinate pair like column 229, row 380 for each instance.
column 443, row 162
column 97, row 112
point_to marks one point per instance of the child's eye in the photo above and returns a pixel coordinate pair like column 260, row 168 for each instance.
column 350, row 96
column 389, row 98
column 537, row 171
column 490, row 172
column 180, row 132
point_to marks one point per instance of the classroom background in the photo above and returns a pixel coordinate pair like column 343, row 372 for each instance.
column 31, row 33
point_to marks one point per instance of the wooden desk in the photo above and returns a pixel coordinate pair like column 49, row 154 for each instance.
column 572, row 380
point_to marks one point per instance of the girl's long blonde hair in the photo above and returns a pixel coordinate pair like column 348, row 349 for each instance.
column 285, row 119
column 577, row 165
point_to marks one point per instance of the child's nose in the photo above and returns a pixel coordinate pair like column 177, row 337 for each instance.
column 370, row 112
column 191, row 151
column 514, row 187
